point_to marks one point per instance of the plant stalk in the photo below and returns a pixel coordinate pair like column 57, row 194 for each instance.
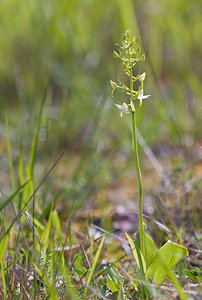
column 140, row 188
column 139, row 175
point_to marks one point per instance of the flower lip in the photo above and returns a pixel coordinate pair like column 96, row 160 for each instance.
column 123, row 108
column 142, row 97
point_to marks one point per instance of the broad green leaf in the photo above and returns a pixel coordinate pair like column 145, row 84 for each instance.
column 150, row 250
column 166, row 258
column 137, row 254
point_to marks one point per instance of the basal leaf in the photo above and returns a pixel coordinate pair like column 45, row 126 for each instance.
column 150, row 250
column 137, row 254
column 166, row 258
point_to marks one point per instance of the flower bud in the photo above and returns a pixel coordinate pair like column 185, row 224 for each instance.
column 125, row 67
column 113, row 85
column 142, row 58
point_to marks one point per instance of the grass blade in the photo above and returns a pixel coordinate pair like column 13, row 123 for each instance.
column 35, row 138
column 10, row 160
column 3, row 280
column 53, row 295
column 2, row 247
column 93, row 266
column 13, row 196
column 33, row 194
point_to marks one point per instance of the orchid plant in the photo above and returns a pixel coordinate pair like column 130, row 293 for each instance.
column 152, row 262
column 129, row 53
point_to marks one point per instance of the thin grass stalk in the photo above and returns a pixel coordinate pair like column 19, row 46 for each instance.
column 90, row 276
column 9, row 151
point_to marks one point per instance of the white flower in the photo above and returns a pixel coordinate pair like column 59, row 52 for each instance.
column 142, row 77
column 142, row 97
column 123, row 108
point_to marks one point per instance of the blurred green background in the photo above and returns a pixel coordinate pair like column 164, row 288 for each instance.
column 66, row 47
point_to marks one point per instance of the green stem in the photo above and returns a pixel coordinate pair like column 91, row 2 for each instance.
column 135, row 149
column 139, row 175
column 140, row 188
